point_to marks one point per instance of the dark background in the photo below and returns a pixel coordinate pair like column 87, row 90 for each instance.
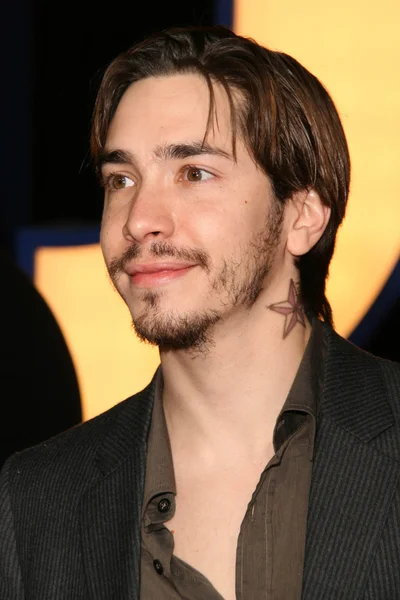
column 53, row 56
column 71, row 51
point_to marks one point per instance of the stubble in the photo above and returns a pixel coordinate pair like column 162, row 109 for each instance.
column 239, row 282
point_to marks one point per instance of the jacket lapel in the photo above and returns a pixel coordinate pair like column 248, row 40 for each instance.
column 352, row 487
column 353, row 481
column 111, row 509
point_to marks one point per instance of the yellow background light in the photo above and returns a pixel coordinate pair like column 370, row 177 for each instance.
column 354, row 48
column 110, row 362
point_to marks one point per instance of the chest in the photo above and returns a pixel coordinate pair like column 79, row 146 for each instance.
column 206, row 531
column 207, row 524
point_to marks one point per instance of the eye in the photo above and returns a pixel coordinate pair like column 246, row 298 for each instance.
column 117, row 181
column 195, row 174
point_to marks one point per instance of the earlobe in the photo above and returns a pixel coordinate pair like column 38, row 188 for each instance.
column 310, row 217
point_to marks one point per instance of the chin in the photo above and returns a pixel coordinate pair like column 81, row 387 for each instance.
column 173, row 330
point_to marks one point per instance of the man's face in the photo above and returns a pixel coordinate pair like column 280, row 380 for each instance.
column 189, row 235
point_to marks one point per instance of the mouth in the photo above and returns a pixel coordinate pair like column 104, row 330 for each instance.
column 156, row 274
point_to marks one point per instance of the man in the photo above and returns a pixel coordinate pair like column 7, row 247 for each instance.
column 262, row 460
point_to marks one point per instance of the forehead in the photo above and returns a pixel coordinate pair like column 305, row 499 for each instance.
column 170, row 108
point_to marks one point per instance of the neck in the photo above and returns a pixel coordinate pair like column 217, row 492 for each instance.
column 230, row 396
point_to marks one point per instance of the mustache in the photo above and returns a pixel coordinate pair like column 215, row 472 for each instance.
column 158, row 250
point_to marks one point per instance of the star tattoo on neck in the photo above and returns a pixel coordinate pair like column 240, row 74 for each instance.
column 292, row 309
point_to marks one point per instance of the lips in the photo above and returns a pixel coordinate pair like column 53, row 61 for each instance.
column 155, row 274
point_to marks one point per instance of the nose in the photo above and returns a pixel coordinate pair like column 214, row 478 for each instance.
column 150, row 215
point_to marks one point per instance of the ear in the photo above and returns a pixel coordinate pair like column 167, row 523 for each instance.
column 308, row 220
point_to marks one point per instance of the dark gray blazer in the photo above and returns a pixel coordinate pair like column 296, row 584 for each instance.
column 70, row 507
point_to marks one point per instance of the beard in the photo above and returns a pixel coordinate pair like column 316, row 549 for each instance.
column 239, row 282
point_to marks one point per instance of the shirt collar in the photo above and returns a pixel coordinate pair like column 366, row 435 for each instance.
column 301, row 403
column 303, row 397
column 160, row 478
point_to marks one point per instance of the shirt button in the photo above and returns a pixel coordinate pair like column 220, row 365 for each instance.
column 158, row 567
column 164, row 505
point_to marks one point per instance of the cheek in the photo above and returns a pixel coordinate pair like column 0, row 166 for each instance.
column 110, row 237
column 214, row 216
column 114, row 218
column 222, row 231
column 221, row 235
column 104, row 247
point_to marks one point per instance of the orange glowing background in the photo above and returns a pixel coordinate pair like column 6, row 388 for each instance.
column 354, row 48
column 110, row 362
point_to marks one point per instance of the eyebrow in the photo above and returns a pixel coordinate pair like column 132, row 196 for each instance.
column 114, row 157
column 164, row 152
column 186, row 150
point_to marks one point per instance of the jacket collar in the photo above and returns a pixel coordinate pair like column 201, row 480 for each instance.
column 110, row 511
column 352, row 382
column 353, row 483
column 128, row 430
column 354, row 393
column 355, row 474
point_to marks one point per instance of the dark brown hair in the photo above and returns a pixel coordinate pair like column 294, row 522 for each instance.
column 285, row 116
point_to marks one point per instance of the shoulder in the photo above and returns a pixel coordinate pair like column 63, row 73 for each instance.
column 340, row 348
column 391, row 377
column 74, row 456
column 347, row 363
